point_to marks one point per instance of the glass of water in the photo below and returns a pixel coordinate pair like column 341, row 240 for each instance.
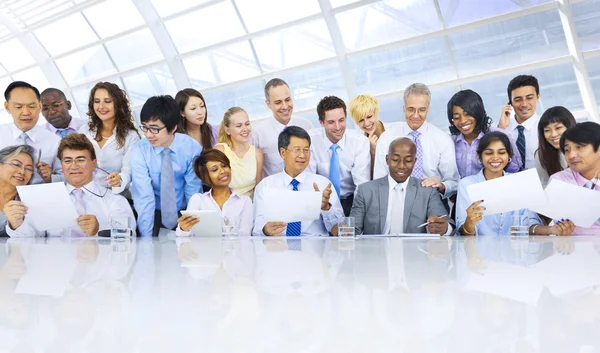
column 120, row 227
column 346, row 227
column 519, row 226
column 230, row 228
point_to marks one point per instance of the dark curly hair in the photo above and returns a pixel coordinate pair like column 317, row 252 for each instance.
column 329, row 103
column 471, row 102
column 123, row 116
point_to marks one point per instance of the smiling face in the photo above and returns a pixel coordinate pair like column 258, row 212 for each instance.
column 334, row 123
column 495, row 157
column 281, row 104
column 163, row 138
column 219, row 173
column 24, row 107
column 194, row 111
column 416, row 108
column 524, row 101
column 401, row 160
column 582, row 158
column 78, row 167
column 17, row 170
column 463, row 121
column 369, row 123
column 239, row 127
column 104, row 105
column 296, row 156
column 553, row 132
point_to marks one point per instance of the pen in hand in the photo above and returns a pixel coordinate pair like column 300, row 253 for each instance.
column 426, row 223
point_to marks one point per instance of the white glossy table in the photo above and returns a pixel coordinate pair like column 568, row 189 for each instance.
column 490, row 294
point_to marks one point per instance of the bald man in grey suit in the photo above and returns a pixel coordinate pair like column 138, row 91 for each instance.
column 397, row 203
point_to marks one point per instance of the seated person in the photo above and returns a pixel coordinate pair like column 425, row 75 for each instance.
column 495, row 152
column 398, row 203
column 94, row 204
column 581, row 147
column 214, row 168
column 16, row 169
column 294, row 148
column 163, row 180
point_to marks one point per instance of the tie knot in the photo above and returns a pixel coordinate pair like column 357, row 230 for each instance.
column 295, row 183
column 415, row 134
column 63, row 132
column 520, row 128
column 334, row 147
column 589, row 185
column 78, row 193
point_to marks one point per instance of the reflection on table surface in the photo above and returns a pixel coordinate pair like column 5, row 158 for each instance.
column 486, row 294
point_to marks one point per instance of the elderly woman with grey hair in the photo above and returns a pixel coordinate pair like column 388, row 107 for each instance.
column 16, row 168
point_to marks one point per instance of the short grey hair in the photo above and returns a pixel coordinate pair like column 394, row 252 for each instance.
column 275, row 82
column 12, row 151
column 418, row 89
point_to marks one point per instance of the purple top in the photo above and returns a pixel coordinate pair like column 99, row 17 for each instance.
column 468, row 162
column 215, row 132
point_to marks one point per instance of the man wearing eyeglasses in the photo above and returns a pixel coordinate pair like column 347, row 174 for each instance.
column 23, row 104
column 294, row 149
column 163, row 179
column 94, row 204
column 55, row 108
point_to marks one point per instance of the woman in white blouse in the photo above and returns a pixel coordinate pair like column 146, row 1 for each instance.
column 112, row 133
column 213, row 167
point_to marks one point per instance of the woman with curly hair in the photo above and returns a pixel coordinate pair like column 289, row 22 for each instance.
column 112, row 133
column 194, row 118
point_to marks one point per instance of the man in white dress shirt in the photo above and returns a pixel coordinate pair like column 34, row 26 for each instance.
column 264, row 133
column 294, row 147
column 94, row 203
column 338, row 154
column 55, row 109
column 23, row 104
column 436, row 161
column 523, row 95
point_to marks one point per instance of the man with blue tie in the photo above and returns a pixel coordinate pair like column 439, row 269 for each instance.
column 294, row 148
column 163, row 178
column 55, row 109
column 337, row 153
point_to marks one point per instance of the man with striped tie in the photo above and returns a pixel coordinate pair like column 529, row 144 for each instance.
column 294, row 148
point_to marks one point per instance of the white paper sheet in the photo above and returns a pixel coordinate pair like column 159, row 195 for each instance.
column 508, row 193
column 292, row 206
column 48, row 205
column 569, row 201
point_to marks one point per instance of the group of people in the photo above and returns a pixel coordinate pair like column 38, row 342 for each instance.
column 392, row 178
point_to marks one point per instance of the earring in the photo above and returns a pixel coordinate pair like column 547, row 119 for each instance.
column 509, row 160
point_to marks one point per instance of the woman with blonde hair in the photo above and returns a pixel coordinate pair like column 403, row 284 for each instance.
column 246, row 160
column 364, row 110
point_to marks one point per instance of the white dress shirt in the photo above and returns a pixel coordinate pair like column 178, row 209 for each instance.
column 74, row 125
column 265, row 134
column 98, row 201
column 531, row 137
column 439, row 158
column 355, row 159
column 283, row 181
column 238, row 210
column 391, row 192
column 112, row 158
column 41, row 140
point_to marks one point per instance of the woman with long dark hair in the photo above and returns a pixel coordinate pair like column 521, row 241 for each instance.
column 194, row 118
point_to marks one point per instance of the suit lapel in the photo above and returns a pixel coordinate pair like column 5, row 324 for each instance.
column 383, row 201
column 409, row 200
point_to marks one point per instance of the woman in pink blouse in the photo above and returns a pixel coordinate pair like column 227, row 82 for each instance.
column 213, row 168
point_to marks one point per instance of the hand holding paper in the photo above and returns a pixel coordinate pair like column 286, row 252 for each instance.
column 292, row 206
column 48, row 205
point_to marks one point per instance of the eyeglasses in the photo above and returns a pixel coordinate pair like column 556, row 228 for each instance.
column 78, row 161
column 153, row 130
column 19, row 165
column 299, row 150
column 54, row 106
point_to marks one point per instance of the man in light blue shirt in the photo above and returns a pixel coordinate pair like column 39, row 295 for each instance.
column 162, row 183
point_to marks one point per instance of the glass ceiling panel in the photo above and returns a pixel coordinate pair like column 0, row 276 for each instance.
column 338, row 3
column 456, row 12
column 294, row 46
column 232, row 63
column 67, row 34
column 149, row 82
column 218, row 23
column 133, row 50
column 14, row 55
column 248, row 95
column 28, row 13
column 258, row 14
column 515, row 42
column 593, row 69
column 114, row 16
column 86, row 65
column 387, row 21
column 586, row 15
column 34, row 76
column 168, row 7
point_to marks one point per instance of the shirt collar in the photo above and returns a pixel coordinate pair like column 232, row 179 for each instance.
column 481, row 177
column 529, row 124
column 393, row 183
column 579, row 179
column 159, row 149
column 279, row 126
column 328, row 143
column 233, row 194
column 31, row 133
column 71, row 126
column 92, row 185
column 301, row 178
column 422, row 129
column 461, row 137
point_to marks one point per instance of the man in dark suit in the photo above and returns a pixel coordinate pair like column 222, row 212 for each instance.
column 398, row 203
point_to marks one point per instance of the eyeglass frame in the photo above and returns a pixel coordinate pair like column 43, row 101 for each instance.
column 78, row 161
column 19, row 165
column 53, row 107
column 152, row 130
column 298, row 151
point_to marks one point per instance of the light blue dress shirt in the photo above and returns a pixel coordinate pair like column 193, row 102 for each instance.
column 146, row 167
column 497, row 224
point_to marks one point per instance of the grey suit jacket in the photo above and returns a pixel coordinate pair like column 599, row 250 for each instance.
column 370, row 206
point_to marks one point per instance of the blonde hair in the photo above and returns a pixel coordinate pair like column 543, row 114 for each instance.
column 363, row 105
column 223, row 137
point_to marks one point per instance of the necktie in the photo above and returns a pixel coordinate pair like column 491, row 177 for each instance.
column 77, row 196
column 294, row 228
column 521, row 144
column 418, row 171
column 24, row 138
column 168, row 201
column 334, row 168
column 589, row 185
column 397, row 215
column 63, row 132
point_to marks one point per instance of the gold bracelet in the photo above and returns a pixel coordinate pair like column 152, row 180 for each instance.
column 465, row 230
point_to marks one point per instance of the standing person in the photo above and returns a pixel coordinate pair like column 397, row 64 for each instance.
column 523, row 95
column 339, row 154
column 548, row 157
column 24, row 105
column 246, row 160
column 56, row 110
column 113, row 134
column 16, row 169
column 364, row 110
column 163, row 179
column 279, row 100
column 194, row 118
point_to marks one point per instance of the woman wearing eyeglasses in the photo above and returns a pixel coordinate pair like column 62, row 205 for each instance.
column 113, row 134
column 16, row 169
